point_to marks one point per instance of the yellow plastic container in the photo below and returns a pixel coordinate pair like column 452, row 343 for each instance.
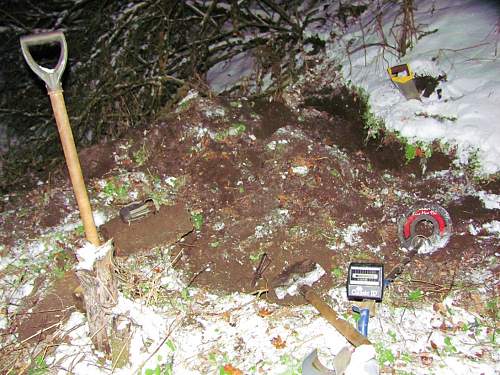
column 403, row 78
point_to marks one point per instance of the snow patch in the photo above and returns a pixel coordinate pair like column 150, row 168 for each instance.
column 490, row 201
column 89, row 254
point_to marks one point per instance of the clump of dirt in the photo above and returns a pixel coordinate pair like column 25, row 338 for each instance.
column 427, row 84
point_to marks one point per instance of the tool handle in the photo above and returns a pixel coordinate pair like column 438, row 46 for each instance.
column 346, row 329
column 51, row 76
column 74, row 168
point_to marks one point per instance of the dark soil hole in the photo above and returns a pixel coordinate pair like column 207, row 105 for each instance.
column 427, row 84
column 347, row 128
column 275, row 115
column 424, row 228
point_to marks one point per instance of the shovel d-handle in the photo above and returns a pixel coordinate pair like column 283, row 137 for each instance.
column 51, row 76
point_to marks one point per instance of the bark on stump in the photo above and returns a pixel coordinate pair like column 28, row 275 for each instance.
column 100, row 294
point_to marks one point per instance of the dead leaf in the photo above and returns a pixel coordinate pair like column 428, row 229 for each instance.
column 226, row 315
column 264, row 312
column 433, row 345
column 231, row 370
column 278, row 342
column 283, row 199
column 426, row 358
column 439, row 308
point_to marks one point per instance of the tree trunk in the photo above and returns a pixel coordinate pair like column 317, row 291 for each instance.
column 100, row 295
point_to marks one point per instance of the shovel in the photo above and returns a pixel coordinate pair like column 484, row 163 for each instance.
column 52, row 79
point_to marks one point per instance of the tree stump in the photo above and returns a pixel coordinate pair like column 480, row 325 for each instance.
column 95, row 271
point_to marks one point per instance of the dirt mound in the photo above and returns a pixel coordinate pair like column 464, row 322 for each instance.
column 274, row 186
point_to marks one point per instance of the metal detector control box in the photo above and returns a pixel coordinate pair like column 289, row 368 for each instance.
column 365, row 281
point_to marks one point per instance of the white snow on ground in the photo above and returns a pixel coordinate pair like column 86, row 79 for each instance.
column 202, row 334
column 490, row 201
column 464, row 47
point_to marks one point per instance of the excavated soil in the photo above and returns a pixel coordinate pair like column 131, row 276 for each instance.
column 283, row 186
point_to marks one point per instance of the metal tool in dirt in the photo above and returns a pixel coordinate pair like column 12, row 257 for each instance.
column 365, row 281
column 138, row 210
column 52, row 79
column 403, row 78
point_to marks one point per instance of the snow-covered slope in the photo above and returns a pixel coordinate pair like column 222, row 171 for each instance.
column 462, row 43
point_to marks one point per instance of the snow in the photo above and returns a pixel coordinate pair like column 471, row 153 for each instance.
column 89, row 254
column 363, row 361
column 471, row 92
column 308, row 279
column 464, row 119
column 226, row 74
column 490, row 201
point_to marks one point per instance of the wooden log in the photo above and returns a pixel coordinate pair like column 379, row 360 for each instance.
column 100, row 294
column 346, row 329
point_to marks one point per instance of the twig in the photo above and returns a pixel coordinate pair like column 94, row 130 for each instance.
column 177, row 257
column 196, row 275
column 171, row 329
column 261, row 268
column 38, row 333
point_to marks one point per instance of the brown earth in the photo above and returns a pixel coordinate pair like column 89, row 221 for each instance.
column 287, row 184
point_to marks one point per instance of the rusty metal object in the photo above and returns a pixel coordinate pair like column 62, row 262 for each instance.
column 138, row 210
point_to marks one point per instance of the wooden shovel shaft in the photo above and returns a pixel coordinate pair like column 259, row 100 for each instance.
column 346, row 329
column 75, row 171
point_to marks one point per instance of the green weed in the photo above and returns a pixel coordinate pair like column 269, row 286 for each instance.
column 438, row 117
column 116, row 191
column 335, row 173
column 337, row 273
column 255, row 257
column 384, row 355
column 393, row 336
column 410, row 152
column 415, row 295
column 160, row 370
column 79, row 230
column 39, row 367
column 235, row 130
column 197, row 219
column 448, row 346
column 171, row 345
column 294, row 366
column 141, row 155
column 406, row 357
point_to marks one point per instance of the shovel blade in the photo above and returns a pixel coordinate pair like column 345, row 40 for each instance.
column 312, row 365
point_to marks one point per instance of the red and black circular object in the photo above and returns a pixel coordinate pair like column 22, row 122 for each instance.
column 425, row 214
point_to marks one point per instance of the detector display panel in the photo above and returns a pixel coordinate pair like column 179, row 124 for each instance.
column 365, row 281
